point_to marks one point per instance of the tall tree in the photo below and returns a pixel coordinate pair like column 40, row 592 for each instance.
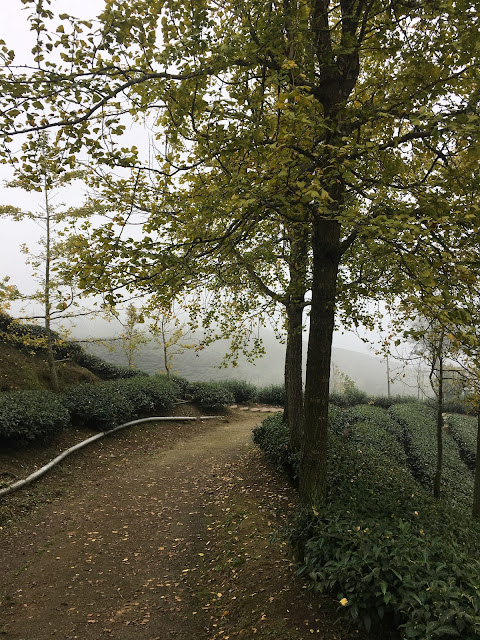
column 324, row 114
column 44, row 169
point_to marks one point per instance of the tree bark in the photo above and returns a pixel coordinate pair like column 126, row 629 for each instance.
column 295, row 302
column 438, row 470
column 313, row 464
column 476, row 481
column 293, row 413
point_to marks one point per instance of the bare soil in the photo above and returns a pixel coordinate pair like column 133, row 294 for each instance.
column 160, row 532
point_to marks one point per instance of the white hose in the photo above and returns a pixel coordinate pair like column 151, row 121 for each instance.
column 40, row 472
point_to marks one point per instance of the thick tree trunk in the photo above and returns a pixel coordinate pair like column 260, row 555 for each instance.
column 437, row 481
column 293, row 413
column 476, row 481
column 298, row 267
column 313, row 464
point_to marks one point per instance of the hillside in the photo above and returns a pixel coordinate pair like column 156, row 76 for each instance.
column 368, row 373
column 26, row 370
column 23, row 363
column 23, row 359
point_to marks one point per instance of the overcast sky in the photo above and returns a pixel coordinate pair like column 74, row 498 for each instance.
column 14, row 31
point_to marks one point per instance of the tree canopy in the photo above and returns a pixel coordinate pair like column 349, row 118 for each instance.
column 350, row 123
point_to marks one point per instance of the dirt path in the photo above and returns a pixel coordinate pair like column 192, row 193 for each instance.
column 158, row 543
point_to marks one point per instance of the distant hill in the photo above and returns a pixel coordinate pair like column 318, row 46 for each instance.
column 368, row 372
column 22, row 367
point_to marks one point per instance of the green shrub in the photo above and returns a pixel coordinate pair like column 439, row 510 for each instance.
column 395, row 572
column 372, row 428
column 398, row 560
column 242, row 391
column 161, row 393
column 385, row 402
column 452, row 406
column 464, row 432
column 105, row 405
column 419, row 429
column 27, row 416
column 104, row 369
column 272, row 436
column 210, row 395
column 99, row 406
column 180, row 384
column 349, row 398
column 338, row 419
column 274, row 395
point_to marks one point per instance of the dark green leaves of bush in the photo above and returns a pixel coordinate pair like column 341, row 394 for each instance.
column 105, row 405
column 28, row 416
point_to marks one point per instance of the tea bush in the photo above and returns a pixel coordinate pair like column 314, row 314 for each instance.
column 274, row 395
column 396, row 559
column 419, row 427
column 104, row 369
column 350, row 396
column 28, row 416
column 241, row 390
column 105, row 405
column 464, row 432
column 210, row 395
column 98, row 406
column 180, row 385
column 396, row 573
column 273, row 438
column 385, row 402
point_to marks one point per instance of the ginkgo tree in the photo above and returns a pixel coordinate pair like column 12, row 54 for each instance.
column 343, row 118
column 44, row 169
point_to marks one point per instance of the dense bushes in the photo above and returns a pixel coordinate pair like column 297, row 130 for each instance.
column 210, row 395
column 273, row 394
column 241, row 390
column 386, row 402
column 102, row 406
column 464, row 432
column 419, row 430
column 395, row 558
column 104, row 369
column 272, row 436
column 28, row 416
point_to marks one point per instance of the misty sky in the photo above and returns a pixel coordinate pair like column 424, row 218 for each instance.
column 15, row 32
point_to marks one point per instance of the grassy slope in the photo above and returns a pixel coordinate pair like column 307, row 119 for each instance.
column 23, row 370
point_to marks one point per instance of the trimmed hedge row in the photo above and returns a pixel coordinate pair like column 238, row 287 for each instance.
column 28, row 416
column 419, row 431
column 464, row 432
column 396, row 559
column 102, row 406
column 210, row 395
column 273, row 394
column 102, row 368
column 241, row 390
column 273, row 438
